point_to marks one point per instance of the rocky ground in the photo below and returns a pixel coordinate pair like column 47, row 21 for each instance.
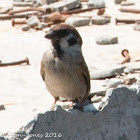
column 22, row 91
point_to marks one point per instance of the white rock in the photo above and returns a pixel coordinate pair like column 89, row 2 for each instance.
column 33, row 21
column 128, row 70
column 64, row 105
column 25, row 28
column 6, row 9
column 127, row 3
column 106, row 39
column 42, row 25
column 138, row 81
column 118, row 1
column 96, row 99
column 78, row 21
column 23, row 4
column 18, row 0
column 42, row 2
column 114, row 83
column 106, row 73
column 98, row 93
column 137, row 27
column 96, row 3
column 64, row 5
column 46, row 30
column 99, row 20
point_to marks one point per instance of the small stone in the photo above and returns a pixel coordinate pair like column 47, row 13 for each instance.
column 64, row 105
column 28, row 0
column 98, row 93
column 99, row 20
column 113, row 83
column 128, row 70
column 127, row 3
column 107, row 39
column 5, row 9
column 135, row 87
column 42, row 25
column 2, row 107
column 137, row 27
column 43, row 2
column 25, row 28
column 106, row 73
column 18, row 0
column 33, row 21
column 78, row 21
column 96, row 3
column 118, row 1
column 135, row 66
column 23, row 4
column 137, row 59
column 90, row 108
column 46, row 30
column 64, row 5
column 96, row 99
column 130, row 81
column 138, row 81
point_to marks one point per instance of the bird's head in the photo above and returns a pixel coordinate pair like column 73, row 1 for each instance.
column 64, row 36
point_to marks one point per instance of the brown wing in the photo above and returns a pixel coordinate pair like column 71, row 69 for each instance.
column 42, row 72
column 87, row 79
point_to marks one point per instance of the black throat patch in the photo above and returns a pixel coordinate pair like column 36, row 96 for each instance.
column 57, row 49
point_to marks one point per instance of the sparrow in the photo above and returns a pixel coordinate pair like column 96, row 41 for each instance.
column 63, row 68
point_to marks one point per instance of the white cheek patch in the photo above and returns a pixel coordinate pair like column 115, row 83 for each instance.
column 64, row 41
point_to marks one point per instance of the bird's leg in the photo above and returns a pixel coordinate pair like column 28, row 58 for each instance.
column 53, row 105
column 79, row 103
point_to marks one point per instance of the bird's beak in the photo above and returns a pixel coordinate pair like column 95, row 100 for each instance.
column 50, row 34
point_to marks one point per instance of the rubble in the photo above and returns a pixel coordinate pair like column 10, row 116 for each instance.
column 96, row 99
column 96, row 3
column 127, row 3
column 130, row 81
column 77, row 21
column 98, row 93
column 18, row 0
column 22, row 4
column 42, row 25
column 64, row 5
column 2, row 107
column 137, row 27
column 106, row 73
column 133, row 66
column 118, row 1
column 113, row 83
column 33, row 21
column 99, row 20
column 106, row 39
column 42, row 2
column 4, row 10
column 25, row 28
